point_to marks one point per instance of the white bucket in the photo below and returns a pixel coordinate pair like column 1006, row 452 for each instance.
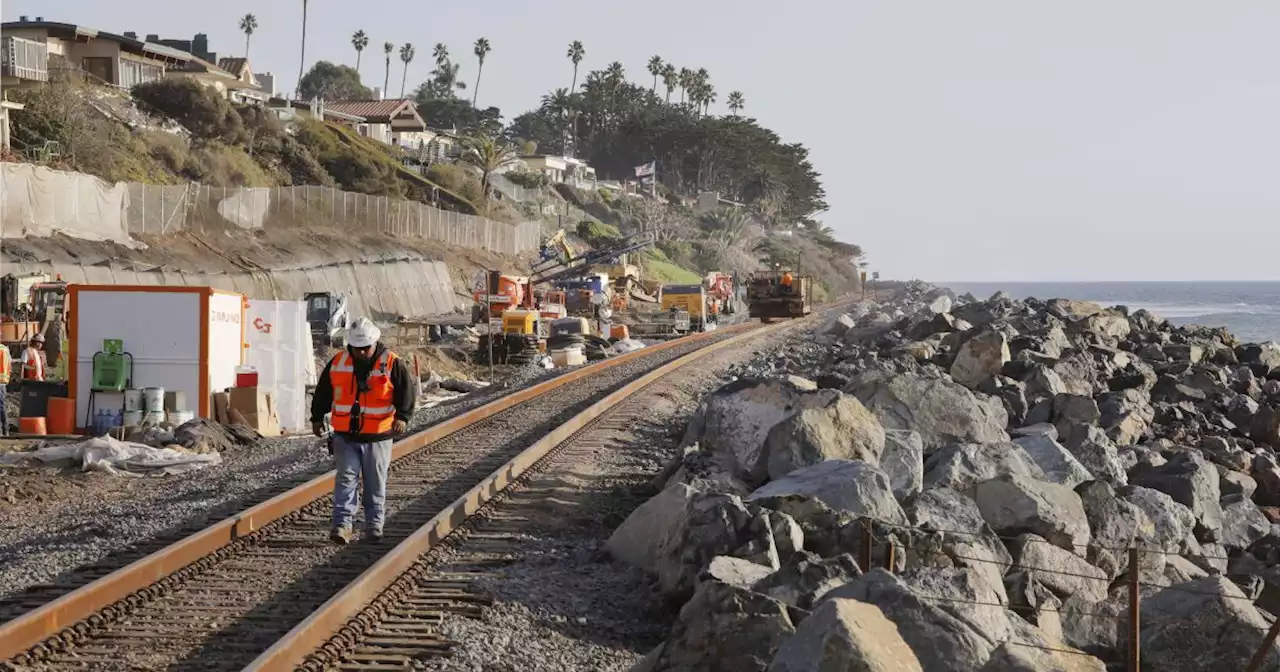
column 132, row 401
column 154, row 399
column 180, row 417
column 153, row 418
column 133, row 418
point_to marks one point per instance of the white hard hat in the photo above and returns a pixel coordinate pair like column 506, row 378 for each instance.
column 363, row 333
column 38, row 338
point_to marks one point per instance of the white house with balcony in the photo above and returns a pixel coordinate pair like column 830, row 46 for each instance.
column 562, row 169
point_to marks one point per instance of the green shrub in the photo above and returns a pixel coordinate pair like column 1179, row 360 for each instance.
column 597, row 234
column 457, row 179
column 199, row 109
column 352, row 168
column 529, row 179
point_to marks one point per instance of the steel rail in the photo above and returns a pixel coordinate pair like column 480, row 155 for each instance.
column 40, row 624
column 291, row 650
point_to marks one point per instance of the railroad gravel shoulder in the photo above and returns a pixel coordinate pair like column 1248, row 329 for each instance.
column 559, row 603
column 66, row 521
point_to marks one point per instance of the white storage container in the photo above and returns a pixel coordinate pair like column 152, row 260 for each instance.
column 278, row 345
column 189, row 339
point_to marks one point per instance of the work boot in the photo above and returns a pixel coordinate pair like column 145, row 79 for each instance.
column 373, row 533
column 341, row 535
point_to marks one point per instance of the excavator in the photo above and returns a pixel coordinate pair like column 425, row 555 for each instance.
column 516, row 304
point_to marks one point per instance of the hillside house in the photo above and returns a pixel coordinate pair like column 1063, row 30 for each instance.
column 291, row 110
column 106, row 58
column 251, row 91
column 394, row 122
column 563, row 169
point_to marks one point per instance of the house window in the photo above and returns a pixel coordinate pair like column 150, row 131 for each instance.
column 99, row 67
column 133, row 73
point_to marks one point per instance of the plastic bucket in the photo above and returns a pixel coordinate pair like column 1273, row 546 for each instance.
column 175, row 400
column 180, row 417
column 62, row 415
column 153, row 399
column 132, row 400
column 32, row 425
column 132, row 418
column 153, row 418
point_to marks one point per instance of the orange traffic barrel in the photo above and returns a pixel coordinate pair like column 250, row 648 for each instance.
column 31, row 425
column 62, row 415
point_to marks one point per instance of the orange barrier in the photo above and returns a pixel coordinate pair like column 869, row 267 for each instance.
column 32, row 426
column 62, row 415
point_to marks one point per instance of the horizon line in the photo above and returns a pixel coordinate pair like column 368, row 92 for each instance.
column 1101, row 282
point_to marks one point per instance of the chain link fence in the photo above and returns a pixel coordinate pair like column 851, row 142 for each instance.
column 159, row 209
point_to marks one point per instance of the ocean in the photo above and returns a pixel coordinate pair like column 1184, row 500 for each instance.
column 1250, row 310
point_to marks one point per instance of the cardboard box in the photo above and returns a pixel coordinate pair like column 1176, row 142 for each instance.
column 257, row 408
column 222, row 407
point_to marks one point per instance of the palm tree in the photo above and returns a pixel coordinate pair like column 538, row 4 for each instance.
column 708, row 97
column 387, row 49
column 440, row 53
column 686, row 82
column 737, row 101
column 615, row 74
column 489, row 155
column 576, row 54
column 670, row 79
column 407, row 53
column 302, row 65
column 481, row 50
column 359, row 40
column 560, row 103
column 655, row 69
column 248, row 24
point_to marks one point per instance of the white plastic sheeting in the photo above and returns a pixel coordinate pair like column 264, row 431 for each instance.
column 122, row 458
column 279, row 341
column 38, row 201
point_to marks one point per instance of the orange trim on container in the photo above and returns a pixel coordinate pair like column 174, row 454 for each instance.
column 72, row 353
column 205, row 393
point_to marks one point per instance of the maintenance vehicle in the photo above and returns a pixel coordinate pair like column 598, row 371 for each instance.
column 779, row 294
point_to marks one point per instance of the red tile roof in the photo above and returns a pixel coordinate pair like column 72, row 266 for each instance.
column 376, row 111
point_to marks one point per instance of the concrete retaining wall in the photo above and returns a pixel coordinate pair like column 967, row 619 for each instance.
column 381, row 291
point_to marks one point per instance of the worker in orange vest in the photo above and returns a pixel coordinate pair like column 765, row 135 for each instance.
column 6, row 366
column 32, row 362
column 369, row 394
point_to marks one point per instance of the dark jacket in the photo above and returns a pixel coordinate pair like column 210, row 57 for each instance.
column 402, row 397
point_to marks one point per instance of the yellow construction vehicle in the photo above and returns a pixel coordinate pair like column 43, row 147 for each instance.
column 779, row 294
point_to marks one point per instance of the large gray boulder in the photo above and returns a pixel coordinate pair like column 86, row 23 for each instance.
column 1014, row 504
column 806, row 577
column 1191, row 481
column 1126, row 416
column 940, row 410
column 832, row 426
column 1019, row 657
column 903, row 462
column 1062, row 571
column 966, row 539
column 724, row 628
column 734, row 421
column 845, row 485
column 1242, row 523
column 1205, row 624
column 980, row 358
column 940, row 640
column 961, row 466
column 1095, row 450
column 1116, row 525
column 1057, row 463
column 1172, row 522
column 846, row 636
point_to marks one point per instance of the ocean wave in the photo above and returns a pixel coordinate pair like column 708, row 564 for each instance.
column 1182, row 311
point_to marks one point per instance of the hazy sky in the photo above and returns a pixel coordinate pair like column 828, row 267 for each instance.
column 973, row 140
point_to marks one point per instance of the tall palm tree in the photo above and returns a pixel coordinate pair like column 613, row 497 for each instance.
column 489, row 155
column 359, row 40
column 407, row 52
column 481, row 50
column 302, row 64
column 736, row 102
column 655, row 69
column 387, row 50
column 615, row 74
column 248, row 24
column 686, row 82
column 708, row 97
column 576, row 53
column 670, row 79
column 440, row 53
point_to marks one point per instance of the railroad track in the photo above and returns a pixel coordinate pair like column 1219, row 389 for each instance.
column 190, row 607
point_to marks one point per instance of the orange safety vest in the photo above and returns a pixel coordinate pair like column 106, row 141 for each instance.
column 6, row 365
column 377, row 404
column 32, row 365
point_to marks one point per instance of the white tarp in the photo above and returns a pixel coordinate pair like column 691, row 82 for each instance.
column 38, row 201
column 279, row 341
column 122, row 458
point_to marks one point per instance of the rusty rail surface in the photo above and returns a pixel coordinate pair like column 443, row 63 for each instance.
column 30, row 629
column 292, row 649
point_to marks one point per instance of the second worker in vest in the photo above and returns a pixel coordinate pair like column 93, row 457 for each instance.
column 369, row 392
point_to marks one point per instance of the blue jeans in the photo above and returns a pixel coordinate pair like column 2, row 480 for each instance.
column 373, row 460
column 4, row 413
